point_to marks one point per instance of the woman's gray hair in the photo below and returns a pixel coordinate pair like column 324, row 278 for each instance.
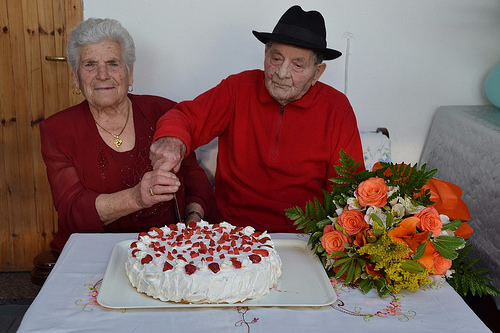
column 95, row 30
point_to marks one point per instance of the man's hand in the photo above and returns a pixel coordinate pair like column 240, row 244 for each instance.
column 167, row 154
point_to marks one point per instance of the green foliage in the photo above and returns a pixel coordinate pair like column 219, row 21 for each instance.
column 407, row 182
column 447, row 246
column 466, row 279
column 410, row 180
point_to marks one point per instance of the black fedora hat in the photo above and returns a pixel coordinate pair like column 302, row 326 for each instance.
column 300, row 28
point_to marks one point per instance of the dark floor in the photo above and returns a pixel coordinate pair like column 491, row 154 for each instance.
column 486, row 309
column 17, row 292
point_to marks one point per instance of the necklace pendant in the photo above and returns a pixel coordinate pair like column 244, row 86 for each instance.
column 118, row 142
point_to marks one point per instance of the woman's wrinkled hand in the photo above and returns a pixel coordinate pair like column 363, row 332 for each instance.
column 156, row 186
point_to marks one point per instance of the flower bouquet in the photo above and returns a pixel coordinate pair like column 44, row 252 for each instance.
column 380, row 229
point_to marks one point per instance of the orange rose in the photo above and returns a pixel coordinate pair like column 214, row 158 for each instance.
column 353, row 222
column 328, row 228
column 372, row 192
column 430, row 221
column 334, row 241
column 441, row 264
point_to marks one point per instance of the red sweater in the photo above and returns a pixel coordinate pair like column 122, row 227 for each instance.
column 270, row 157
column 80, row 166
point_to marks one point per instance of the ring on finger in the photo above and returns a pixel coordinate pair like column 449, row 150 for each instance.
column 151, row 191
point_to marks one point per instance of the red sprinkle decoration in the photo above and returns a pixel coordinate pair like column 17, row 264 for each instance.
column 214, row 267
column 254, row 258
column 147, row 259
column 262, row 252
column 158, row 231
column 227, row 244
column 167, row 266
column 190, row 269
column 236, row 263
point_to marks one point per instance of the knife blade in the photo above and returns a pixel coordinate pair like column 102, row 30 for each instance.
column 177, row 211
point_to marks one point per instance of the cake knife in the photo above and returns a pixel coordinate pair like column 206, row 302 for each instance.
column 177, row 212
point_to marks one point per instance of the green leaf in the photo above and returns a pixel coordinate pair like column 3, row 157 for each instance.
column 466, row 280
column 377, row 220
column 465, row 266
column 339, row 254
column 420, row 251
column 293, row 213
column 365, row 286
column 412, row 266
column 390, row 220
column 343, row 268
column 321, row 224
column 358, row 270
column 461, row 256
column 382, row 289
column 341, row 261
column 320, row 248
column 351, row 270
column 454, row 225
column 447, row 246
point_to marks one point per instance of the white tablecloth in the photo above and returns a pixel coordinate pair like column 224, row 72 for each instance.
column 68, row 303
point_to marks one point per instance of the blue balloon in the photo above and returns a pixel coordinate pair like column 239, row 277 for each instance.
column 492, row 86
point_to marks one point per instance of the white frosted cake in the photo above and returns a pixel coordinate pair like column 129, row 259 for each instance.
column 203, row 263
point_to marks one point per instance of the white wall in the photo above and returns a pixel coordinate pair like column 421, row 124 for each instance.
column 406, row 58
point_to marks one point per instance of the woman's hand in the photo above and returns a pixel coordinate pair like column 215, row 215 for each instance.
column 156, row 186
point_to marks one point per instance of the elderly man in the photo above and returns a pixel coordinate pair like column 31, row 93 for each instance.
column 280, row 130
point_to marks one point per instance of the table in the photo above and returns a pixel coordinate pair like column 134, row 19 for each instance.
column 68, row 303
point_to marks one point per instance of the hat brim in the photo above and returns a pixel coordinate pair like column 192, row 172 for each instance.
column 264, row 37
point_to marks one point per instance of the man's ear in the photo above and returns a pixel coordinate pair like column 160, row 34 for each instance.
column 320, row 69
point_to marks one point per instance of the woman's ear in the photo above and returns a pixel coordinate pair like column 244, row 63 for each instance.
column 131, row 76
column 76, row 81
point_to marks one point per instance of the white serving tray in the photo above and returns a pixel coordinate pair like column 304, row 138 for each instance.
column 303, row 282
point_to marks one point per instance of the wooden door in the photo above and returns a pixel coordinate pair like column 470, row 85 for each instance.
column 31, row 89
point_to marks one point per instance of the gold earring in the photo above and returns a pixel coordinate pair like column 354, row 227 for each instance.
column 76, row 91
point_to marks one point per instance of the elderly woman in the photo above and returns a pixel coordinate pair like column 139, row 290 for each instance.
column 96, row 152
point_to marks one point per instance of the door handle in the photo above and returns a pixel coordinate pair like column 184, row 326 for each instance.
column 52, row 58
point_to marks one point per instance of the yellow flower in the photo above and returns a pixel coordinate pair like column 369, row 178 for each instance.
column 388, row 255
